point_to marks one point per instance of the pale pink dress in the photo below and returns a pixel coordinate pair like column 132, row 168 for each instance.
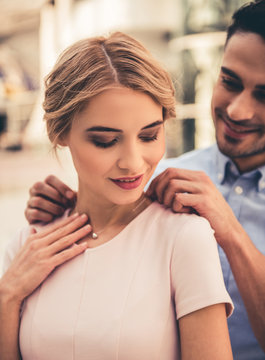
column 121, row 300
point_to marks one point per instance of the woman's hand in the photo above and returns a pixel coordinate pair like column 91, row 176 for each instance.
column 48, row 199
column 41, row 254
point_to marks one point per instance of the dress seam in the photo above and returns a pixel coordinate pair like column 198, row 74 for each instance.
column 79, row 305
column 129, row 289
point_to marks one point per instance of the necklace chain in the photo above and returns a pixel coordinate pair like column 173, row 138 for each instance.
column 95, row 235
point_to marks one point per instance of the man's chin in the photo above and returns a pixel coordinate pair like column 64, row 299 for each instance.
column 230, row 150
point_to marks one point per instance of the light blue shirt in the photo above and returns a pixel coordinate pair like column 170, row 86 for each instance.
column 246, row 195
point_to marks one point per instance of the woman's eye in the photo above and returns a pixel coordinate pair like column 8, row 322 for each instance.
column 146, row 138
column 104, row 144
column 231, row 84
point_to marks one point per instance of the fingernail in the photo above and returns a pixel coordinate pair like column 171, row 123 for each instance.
column 83, row 216
column 69, row 194
column 75, row 215
column 84, row 244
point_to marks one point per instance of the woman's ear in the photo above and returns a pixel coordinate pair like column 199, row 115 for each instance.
column 63, row 141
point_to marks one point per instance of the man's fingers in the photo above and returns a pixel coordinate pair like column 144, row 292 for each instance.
column 190, row 200
column 177, row 207
column 160, row 183
column 42, row 204
column 48, row 200
column 175, row 186
column 34, row 215
column 41, row 189
column 63, row 189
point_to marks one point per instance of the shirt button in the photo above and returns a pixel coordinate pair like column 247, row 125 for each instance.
column 262, row 185
column 238, row 190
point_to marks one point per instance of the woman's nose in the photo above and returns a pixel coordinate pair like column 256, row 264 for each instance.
column 131, row 159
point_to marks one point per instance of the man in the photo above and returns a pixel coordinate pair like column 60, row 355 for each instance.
column 235, row 169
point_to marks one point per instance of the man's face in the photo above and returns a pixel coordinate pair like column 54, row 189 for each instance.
column 238, row 102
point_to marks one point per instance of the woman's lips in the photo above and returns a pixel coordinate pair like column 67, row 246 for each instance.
column 128, row 183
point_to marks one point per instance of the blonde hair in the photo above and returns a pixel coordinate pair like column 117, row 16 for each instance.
column 93, row 65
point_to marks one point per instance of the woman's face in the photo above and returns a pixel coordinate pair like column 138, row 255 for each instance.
column 116, row 143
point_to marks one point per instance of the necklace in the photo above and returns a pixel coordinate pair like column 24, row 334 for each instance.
column 95, row 235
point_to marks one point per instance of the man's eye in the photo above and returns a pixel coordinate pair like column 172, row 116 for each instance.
column 260, row 96
column 146, row 138
column 231, row 85
column 104, row 144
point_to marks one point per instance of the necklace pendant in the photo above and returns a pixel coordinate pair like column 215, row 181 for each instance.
column 94, row 236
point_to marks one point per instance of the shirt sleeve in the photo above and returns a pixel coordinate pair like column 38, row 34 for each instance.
column 13, row 246
column 197, row 277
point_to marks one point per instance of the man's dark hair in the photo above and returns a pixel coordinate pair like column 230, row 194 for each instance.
column 248, row 18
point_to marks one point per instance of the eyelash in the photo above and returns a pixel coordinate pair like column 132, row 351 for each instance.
column 104, row 144
column 233, row 86
column 260, row 96
column 230, row 84
column 111, row 143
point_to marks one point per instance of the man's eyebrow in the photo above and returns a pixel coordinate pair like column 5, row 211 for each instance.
column 230, row 73
column 235, row 76
column 109, row 129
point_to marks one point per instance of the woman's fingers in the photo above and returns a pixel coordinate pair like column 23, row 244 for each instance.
column 61, row 228
column 63, row 256
column 66, row 229
column 43, row 251
column 70, row 239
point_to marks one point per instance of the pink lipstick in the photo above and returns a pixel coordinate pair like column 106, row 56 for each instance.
column 128, row 183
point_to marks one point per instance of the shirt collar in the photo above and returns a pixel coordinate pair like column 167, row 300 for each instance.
column 225, row 166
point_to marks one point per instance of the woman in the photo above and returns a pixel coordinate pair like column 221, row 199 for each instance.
column 127, row 279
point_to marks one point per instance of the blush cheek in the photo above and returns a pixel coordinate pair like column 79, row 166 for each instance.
column 156, row 155
column 83, row 162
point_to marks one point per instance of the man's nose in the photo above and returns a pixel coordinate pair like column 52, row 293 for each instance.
column 241, row 107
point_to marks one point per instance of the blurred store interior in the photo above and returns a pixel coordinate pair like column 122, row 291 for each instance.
column 187, row 36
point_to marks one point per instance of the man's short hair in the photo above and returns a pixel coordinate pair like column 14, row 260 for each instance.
column 249, row 18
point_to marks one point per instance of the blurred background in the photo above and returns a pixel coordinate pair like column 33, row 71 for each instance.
column 187, row 36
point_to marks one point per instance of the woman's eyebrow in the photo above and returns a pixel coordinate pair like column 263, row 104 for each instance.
column 156, row 123
column 108, row 129
column 103, row 129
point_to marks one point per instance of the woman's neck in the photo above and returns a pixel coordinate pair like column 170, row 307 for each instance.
column 104, row 214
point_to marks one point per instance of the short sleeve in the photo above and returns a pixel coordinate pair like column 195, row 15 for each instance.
column 196, row 273
column 19, row 239
column 13, row 247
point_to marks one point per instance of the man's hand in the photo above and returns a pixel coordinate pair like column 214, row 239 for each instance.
column 48, row 199
column 193, row 191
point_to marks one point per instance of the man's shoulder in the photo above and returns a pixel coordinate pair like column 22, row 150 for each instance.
column 202, row 159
